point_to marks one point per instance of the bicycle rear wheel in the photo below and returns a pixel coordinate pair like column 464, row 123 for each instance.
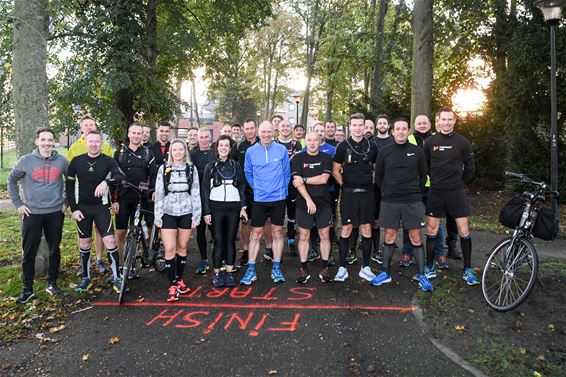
column 509, row 274
column 130, row 249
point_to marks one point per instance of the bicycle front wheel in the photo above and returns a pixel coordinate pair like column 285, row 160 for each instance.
column 509, row 274
column 130, row 249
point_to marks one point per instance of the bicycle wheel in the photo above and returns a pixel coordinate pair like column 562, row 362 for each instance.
column 130, row 249
column 509, row 274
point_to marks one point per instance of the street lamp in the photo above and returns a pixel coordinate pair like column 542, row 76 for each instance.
column 297, row 99
column 258, row 113
column 552, row 11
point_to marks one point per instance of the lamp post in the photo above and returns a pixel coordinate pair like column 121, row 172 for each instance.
column 552, row 11
column 258, row 113
column 297, row 99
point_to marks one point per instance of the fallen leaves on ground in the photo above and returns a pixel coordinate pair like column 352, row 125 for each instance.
column 459, row 328
column 56, row 329
column 113, row 340
column 85, row 357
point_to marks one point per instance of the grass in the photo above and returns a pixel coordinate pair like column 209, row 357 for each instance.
column 16, row 321
column 502, row 359
column 10, row 160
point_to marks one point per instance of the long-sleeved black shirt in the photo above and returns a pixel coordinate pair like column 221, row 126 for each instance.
column 138, row 166
column 400, row 172
column 450, row 161
column 89, row 172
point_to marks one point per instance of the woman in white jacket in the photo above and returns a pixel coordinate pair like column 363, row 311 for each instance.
column 177, row 212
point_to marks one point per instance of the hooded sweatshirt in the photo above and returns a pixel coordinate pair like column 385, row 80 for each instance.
column 42, row 181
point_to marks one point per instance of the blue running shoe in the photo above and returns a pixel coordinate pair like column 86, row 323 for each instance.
column 218, row 280
column 331, row 261
column 202, row 267
column 470, row 277
column 276, row 275
column 430, row 272
column 381, row 278
column 313, row 255
column 249, row 277
column 230, row 281
column 342, row 274
column 425, row 284
column 84, row 285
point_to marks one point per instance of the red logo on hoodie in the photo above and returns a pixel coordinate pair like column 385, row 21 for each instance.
column 46, row 173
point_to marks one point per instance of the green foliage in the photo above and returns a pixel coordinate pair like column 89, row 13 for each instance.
column 6, row 32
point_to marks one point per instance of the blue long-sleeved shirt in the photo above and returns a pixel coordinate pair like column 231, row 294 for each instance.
column 268, row 171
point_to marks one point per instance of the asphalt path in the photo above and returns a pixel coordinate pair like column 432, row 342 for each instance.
column 316, row 329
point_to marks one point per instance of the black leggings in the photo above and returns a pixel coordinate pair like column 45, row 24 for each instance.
column 201, row 238
column 225, row 227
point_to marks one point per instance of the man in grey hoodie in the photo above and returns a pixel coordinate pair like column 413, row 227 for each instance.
column 42, row 208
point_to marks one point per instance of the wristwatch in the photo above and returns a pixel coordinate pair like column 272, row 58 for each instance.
column 305, row 180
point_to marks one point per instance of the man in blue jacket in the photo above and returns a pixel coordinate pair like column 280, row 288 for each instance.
column 268, row 173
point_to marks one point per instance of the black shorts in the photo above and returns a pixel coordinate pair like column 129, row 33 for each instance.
column 452, row 202
column 249, row 203
column 100, row 216
column 128, row 210
column 176, row 222
column 321, row 219
column 334, row 196
column 408, row 215
column 262, row 210
column 291, row 203
column 357, row 208
column 377, row 194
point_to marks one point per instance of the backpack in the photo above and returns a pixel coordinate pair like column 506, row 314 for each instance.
column 189, row 168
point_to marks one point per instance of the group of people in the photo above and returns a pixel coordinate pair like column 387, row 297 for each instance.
column 251, row 184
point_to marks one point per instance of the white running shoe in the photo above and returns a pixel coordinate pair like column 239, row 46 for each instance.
column 342, row 274
column 367, row 273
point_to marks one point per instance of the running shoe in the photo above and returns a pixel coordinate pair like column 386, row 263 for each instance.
column 181, row 286
column 25, row 296
column 351, row 257
column 268, row 253
column 313, row 255
column 53, row 289
column 470, row 277
column 442, row 263
column 117, row 285
column 249, row 277
column 342, row 274
column 304, row 276
column 218, row 280
column 244, row 258
column 366, row 273
column 430, row 272
column 424, row 283
column 324, row 275
column 173, row 294
column 377, row 256
column 291, row 247
column 406, row 260
column 331, row 261
column 230, row 281
column 101, row 267
column 382, row 278
column 133, row 274
column 84, row 285
column 202, row 266
column 277, row 275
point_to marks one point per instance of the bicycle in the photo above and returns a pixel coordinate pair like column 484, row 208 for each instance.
column 512, row 267
column 156, row 251
column 134, row 238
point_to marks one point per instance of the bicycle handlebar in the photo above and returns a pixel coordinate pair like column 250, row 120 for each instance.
column 142, row 187
column 524, row 179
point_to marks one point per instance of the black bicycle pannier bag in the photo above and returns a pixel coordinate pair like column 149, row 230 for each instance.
column 510, row 214
column 546, row 227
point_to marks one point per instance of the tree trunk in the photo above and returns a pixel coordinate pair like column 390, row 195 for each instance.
column 500, row 35
column 329, row 101
column 151, row 35
column 423, row 49
column 378, row 56
column 306, row 96
column 194, row 87
column 29, row 82
column 29, row 74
